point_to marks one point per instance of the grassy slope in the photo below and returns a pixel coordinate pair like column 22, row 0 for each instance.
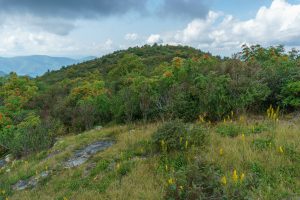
column 120, row 174
column 264, row 164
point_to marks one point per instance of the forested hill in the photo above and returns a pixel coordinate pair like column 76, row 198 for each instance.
column 171, row 113
column 150, row 56
column 150, row 83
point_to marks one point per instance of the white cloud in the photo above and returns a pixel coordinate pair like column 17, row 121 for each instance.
column 218, row 32
column 154, row 38
column 16, row 41
column 277, row 24
column 19, row 41
column 131, row 36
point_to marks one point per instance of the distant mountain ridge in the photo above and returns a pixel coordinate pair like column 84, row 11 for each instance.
column 2, row 73
column 36, row 65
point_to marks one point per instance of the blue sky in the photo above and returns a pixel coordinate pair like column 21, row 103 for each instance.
column 78, row 28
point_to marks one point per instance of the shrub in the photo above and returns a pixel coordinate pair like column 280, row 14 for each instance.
column 262, row 144
column 198, row 181
column 31, row 135
column 291, row 94
column 176, row 135
column 230, row 129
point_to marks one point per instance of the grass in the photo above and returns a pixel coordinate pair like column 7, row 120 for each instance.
column 268, row 157
column 270, row 172
column 102, row 182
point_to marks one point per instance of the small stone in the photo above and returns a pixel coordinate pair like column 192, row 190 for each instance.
column 2, row 163
column 8, row 158
column 98, row 128
column 20, row 185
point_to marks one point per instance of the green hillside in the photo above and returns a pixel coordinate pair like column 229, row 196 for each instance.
column 151, row 56
column 155, row 122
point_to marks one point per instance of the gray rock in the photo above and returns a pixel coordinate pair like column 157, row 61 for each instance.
column 8, row 158
column 31, row 182
column 81, row 156
column 2, row 163
column 20, row 185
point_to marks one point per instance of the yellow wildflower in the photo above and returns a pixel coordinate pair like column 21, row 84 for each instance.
column 242, row 177
column 181, row 187
column 118, row 166
column 221, row 152
column 224, row 180
column 235, row 176
column 65, row 198
column 281, row 149
column 243, row 137
column 170, row 181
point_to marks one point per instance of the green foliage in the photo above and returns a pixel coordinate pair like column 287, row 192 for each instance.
column 153, row 83
column 233, row 129
column 31, row 135
column 176, row 135
column 262, row 144
column 198, row 180
column 230, row 129
column 217, row 101
column 291, row 94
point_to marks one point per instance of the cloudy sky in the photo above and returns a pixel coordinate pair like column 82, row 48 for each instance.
column 78, row 28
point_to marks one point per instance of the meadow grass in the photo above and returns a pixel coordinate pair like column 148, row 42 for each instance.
column 260, row 164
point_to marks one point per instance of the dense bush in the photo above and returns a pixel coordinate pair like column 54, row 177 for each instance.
column 31, row 135
column 291, row 94
column 198, row 181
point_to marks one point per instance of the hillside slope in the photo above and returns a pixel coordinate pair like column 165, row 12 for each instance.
column 151, row 56
column 132, row 169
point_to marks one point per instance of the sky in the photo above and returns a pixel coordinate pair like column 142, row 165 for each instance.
column 78, row 28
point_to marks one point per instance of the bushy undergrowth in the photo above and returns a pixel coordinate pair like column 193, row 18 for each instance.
column 31, row 135
column 198, row 180
column 233, row 129
column 176, row 135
